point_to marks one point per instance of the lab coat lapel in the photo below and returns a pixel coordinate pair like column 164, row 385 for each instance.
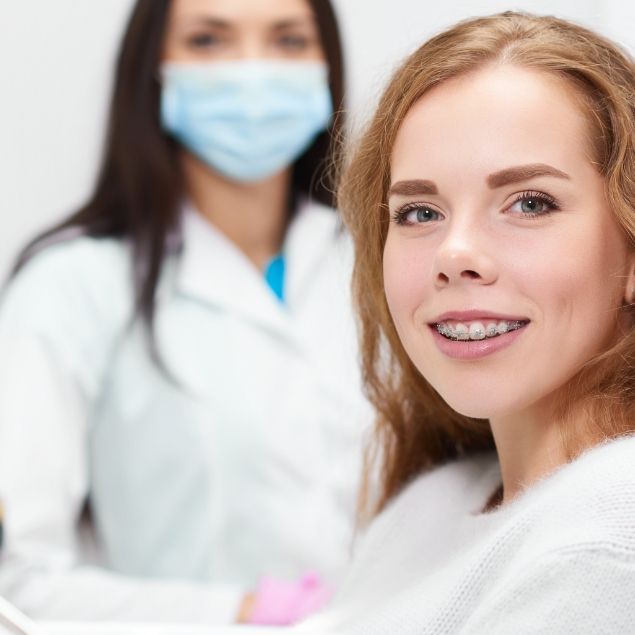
column 213, row 270
column 310, row 236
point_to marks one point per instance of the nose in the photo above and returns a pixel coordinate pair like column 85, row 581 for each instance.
column 252, row 50
column 463, row 258
column 257, row 46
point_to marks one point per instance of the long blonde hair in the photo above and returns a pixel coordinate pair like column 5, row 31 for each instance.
column 415, row 428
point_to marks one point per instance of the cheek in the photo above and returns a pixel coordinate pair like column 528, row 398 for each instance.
column 406, row 268
column 591, row 274
column 578, row 295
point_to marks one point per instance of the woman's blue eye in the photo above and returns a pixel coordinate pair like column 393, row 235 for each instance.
column 423, row 215
column 533, row 204
column 416, row 215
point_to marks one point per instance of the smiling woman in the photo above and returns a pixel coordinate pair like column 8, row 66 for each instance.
column 499, row 250
column 492, row 202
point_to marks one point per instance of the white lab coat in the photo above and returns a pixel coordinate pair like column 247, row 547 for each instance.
column 245, row 463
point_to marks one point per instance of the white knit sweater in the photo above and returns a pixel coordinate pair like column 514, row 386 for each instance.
column 558, row 559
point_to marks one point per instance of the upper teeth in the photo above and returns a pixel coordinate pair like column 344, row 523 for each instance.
column 477, row 330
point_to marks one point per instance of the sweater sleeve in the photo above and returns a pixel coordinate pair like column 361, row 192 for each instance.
column 56, row 323
column 577, row 591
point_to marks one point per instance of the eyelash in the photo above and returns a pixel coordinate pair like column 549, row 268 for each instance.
column 203, row 40
column 549, row 201
column 209, row 40
column 295, row 42
column 401, row 215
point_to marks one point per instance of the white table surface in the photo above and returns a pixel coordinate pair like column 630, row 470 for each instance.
column 14, row 622
column 81, row 628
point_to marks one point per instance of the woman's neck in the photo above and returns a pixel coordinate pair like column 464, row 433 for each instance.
column 533, row 443
column 253, row 216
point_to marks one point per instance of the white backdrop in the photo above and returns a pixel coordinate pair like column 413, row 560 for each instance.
column 56, row 60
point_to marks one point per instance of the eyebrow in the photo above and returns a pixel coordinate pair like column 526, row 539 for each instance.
column 295, row 22
column 413, row 187
column 522, row 173
column 516, row 174
column 221, row 23
column 204, row 20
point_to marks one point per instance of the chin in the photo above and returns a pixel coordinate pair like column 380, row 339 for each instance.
column 470, row 409
column 479, row 406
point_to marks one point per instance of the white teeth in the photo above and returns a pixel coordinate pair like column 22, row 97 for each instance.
column 477, row 330
column 491, row 329
column 461, row 332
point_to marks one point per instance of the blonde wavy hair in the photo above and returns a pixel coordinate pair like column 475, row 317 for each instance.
column 415, row 428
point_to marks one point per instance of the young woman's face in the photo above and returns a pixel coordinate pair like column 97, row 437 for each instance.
column 501, row 238
column 215, row 30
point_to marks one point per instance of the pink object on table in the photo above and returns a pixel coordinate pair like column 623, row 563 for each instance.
column 280, row 603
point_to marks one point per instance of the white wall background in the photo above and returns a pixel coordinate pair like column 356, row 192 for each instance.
column 56, row 59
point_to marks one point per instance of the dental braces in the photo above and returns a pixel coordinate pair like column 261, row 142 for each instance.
column 478, row 334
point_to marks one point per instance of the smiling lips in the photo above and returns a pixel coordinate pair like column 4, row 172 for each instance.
column 477, row 330
column 472, row 335
column 476, row 325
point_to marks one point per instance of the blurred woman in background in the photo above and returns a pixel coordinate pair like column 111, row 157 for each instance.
column 180, row 353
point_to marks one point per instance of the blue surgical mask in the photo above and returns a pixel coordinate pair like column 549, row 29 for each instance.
column 246, row 119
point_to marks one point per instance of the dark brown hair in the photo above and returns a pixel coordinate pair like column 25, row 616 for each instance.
column 139, row 188
column 416, row 429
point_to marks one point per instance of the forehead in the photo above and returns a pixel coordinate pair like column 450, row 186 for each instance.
column 270, row 10
column 490, row 119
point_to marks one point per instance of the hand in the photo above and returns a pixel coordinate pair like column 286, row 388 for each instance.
column 281, row 603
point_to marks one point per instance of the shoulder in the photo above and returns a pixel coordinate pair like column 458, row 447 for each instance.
column 72, row 277
column 606, row 467
column 602, row 473
column 439, row 496
column 589, row 504
column 573, row 537
column 317, row 221
column 319, row 256
column 71, row 256
column 458, row 483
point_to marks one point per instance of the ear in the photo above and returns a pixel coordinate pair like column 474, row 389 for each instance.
column 629, row 289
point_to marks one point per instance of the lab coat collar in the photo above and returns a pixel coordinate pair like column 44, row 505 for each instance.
column 311, row 237
column 213, row 270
